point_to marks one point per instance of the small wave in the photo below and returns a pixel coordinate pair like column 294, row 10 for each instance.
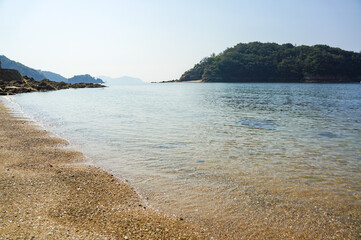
column 17, row 108
column 13, row 104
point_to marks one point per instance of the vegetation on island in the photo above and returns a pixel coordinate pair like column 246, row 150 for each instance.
column 271, row 62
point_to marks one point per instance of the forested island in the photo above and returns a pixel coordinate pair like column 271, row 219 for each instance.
column 271, row 62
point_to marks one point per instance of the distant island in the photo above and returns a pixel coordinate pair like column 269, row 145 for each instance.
column 271, row 62
column 12, row 82
column 86, row 78
column 39, row 74
column 125, row 80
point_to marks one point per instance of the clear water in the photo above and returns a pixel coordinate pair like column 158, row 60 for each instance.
column 241, row 158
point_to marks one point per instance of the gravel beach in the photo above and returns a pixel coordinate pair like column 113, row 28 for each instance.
column 44, row 195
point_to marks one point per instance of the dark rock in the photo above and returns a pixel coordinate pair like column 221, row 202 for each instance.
column 23, row 70
column 11, row 82
column 7, row 75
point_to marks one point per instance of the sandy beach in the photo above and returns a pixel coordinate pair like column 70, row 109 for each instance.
column 48, row 191
column 46, row 195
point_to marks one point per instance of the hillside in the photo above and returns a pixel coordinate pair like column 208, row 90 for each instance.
column 11, row 82
column 271, row 62
column 40, row 75
column 53, row 76
column 24, row 70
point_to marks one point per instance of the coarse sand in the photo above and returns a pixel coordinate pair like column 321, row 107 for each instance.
column 44, row 195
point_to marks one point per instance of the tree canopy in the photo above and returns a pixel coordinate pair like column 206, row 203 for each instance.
column 271, row 62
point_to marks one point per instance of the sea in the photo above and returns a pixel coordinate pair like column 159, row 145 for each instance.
column 242, row 160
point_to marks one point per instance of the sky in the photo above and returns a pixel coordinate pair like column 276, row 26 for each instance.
column 158, row 40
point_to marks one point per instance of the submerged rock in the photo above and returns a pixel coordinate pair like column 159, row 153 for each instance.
column 328, row 135
column 257, row 123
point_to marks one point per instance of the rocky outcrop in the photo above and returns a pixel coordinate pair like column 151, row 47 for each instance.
column 11, row 82
column 39, row 74
column 23, row 70
column 190, row 76
column 10, row 75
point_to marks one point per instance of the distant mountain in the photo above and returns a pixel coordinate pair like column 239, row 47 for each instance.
column 24, row 70
column 53, row 76
column 271, row 62
column 125, row 80
column 40, row 75
column 84, row 79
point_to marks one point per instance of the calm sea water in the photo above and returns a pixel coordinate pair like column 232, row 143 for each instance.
column 241, row 158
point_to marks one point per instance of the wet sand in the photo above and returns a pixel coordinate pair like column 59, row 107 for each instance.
column 46, row 195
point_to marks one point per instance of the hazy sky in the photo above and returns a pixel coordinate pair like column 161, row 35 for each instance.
column 158, row 40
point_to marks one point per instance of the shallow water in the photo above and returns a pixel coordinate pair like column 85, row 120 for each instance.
column 249, row 160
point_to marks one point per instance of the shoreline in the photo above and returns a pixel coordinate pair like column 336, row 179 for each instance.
column 304, row 207
column 45, row 194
